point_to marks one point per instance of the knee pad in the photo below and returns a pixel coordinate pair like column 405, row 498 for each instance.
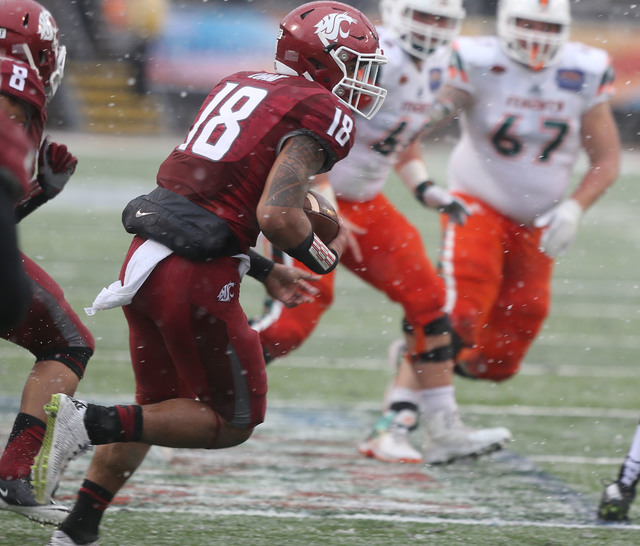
column 406, row 327
column 74, row 358
column 439, row 326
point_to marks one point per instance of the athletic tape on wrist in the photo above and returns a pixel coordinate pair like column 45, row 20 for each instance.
column 313, row 253
column 413, row 172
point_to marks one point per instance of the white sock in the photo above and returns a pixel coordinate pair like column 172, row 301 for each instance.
column 434, row 400
column 631, row 467
column 402, row 394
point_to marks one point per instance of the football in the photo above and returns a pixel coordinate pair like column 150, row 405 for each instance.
column 322, row 215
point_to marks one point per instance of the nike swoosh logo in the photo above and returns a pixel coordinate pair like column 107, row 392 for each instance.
column 140, row 214
column 4, row 492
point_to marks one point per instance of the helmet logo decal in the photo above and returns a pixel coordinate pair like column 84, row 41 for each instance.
column 329, row 28
column 46, row 29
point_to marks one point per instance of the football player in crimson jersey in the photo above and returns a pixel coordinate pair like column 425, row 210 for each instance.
column 31, row 67
column 389, row 253
column 245, row 167
column 529, row 100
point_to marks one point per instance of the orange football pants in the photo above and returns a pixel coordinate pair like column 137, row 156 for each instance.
column 394, row 261
column 498, row 289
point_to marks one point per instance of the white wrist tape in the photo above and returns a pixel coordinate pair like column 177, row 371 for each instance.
column 413, row 173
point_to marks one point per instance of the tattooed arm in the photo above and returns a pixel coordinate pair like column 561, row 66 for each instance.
column 280, row 213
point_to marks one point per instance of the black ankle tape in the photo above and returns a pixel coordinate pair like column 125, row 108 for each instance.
column 399, row 406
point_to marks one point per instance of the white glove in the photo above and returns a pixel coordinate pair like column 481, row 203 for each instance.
column 438, row 198
column 561, row 223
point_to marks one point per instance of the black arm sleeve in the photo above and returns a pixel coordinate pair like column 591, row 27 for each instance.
column 15, row 293
column 260, row 266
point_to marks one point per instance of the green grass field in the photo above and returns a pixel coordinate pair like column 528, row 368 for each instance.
column 299, row 480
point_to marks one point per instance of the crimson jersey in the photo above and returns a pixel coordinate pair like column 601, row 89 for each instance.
column 224, row 162
column 20, row 81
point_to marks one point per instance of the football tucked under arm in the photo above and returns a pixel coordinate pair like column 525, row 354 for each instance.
column 322, row 215
column 314, row 251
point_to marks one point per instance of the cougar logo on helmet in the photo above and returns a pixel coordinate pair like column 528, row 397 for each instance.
column 330, row 27
column 46, row 27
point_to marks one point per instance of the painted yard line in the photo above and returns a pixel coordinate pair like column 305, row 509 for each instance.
column 568, row 370
column 525, row 411
column 529, row 368
column 566, row 459
column 547, row 411
column 8, row 404
column 577, row 286
column 430, row 520
column 379, row 364
column 591, row 310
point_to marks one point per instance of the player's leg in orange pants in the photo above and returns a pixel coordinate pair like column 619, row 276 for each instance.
column 498, row 290
column 395, row 262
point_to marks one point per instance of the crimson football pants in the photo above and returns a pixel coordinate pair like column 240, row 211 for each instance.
column 51, row 329
column 394, row 262
column 498, row 289
column 189, row 337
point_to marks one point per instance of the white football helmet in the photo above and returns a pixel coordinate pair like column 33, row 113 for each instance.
column 534, row 48
column 417, row 37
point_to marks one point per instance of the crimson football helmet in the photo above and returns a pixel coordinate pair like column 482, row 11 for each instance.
column 28, row 32
column 406, row 19
column 533, row 47
column 336, row 46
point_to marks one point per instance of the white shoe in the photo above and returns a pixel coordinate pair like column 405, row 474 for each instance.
column 60, row 538
column 65, row 439
column 389, row 441
column 448, row 438
column 17, row 496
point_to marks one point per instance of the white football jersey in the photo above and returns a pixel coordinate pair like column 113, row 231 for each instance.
column 521, row 135
column 379, row 141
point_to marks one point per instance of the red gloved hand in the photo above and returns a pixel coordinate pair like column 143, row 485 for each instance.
column 55, row 166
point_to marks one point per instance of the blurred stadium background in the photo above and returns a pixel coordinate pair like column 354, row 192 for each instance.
column 183, row 47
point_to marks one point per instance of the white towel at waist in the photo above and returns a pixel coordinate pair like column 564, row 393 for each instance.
column 144, row 259
column 140, row 266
